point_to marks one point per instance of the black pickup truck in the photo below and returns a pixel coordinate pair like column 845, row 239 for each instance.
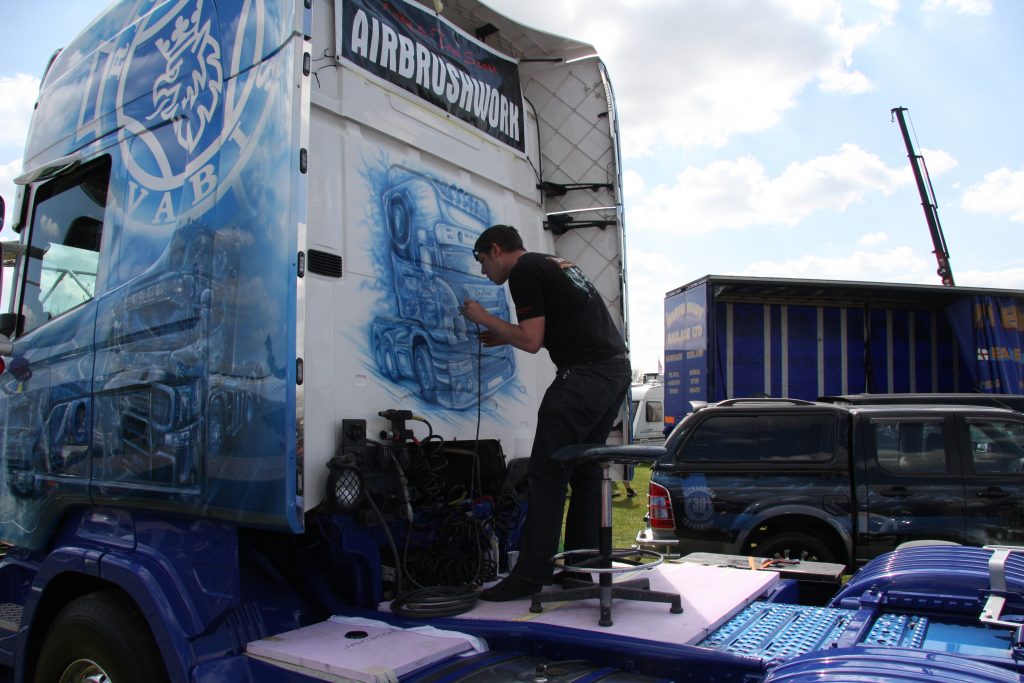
column 836, row 483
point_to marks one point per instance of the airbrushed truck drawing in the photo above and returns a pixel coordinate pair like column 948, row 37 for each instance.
column 432, row 226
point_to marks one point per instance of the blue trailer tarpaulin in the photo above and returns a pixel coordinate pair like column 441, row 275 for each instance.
column 989, row 329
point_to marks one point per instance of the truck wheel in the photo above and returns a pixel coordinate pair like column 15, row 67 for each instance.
column 795, row 546
column 391, row 370
column 99, row 637
column 215, row 430
column 424, row 368
column 399, row 221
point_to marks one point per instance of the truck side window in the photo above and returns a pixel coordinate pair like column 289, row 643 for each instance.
column 63, row 254
column 997, row 447
column 803, row 438
column 910, row 446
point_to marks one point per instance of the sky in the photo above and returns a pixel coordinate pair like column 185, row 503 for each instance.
column 756, row 135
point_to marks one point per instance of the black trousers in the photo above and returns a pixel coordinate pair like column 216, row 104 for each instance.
column 580, row 406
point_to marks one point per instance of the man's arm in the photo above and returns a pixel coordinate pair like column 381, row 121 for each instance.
column 528, row 335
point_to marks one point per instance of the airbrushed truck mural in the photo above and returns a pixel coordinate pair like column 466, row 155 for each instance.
column 423, row 251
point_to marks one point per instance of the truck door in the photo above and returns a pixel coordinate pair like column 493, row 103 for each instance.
column 993, row 451
column 912, row 486
column 46, row 396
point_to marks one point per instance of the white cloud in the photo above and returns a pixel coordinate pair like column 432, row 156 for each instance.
column 981, row 8
column 739, row 193
column 1010, row 278
column 633, row 184
column 1001, row 193
column 840, row 80
column 8, row 172
column 650, row 274
column 900, row 264
column 691, row 73
column 937, row 161
column 872, row 238
column 17, row 96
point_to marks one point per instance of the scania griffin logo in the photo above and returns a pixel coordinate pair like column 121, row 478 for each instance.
column 178, row 106
column 190, row 102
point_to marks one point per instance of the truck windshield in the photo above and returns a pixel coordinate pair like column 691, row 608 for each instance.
column 64, row 246
column 459, row 260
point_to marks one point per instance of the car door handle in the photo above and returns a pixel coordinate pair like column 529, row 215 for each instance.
column 896, row 492
column 992, row 492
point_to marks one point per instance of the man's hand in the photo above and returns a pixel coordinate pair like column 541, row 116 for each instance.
column 489, row 340
column 527, row 335
column 474, row 312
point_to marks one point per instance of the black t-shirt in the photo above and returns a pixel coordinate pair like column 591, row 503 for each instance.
column 577, row 325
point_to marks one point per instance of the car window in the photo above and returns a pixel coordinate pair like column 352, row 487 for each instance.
column 997, row 447
column 807, row 437
column 912, row 446
column 654, row 411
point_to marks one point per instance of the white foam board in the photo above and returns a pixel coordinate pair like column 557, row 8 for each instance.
column 339, row 652
column 710, row 597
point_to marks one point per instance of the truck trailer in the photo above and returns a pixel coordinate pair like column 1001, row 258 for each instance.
column 246, row 435
column 741, row 337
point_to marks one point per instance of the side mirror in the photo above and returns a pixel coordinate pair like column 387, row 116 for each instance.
column 2, row 209
column 6, row 347
column 8, row 325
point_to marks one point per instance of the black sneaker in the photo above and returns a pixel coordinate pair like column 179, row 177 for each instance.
column 510, row 588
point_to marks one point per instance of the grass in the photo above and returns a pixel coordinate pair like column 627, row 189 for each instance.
column 628, row 513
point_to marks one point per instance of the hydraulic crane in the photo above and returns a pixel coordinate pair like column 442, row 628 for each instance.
column 928, row 203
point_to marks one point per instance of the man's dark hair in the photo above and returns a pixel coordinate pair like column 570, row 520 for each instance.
column 505, row 236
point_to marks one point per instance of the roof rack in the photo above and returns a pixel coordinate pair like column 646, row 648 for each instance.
column 789, row 401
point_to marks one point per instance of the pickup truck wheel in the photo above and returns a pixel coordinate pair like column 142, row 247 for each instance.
column 795, row 546
column 99, row 637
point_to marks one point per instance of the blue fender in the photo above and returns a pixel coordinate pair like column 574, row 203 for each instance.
column 181, row 574
column 957, row 573
column 892, row 665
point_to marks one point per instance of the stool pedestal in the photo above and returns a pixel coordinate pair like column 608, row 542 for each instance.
column 601, row 560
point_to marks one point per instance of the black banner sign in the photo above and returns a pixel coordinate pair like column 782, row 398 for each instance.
column 416, row 50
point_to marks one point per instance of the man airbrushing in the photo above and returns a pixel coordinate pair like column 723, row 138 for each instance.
column 559, row 309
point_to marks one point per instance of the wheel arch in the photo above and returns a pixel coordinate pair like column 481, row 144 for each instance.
column 178, row 600
column 67, row 586
column 802, row 520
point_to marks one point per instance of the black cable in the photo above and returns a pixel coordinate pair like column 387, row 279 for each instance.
column 391, row 540
column 440, row 601
column 475, row 482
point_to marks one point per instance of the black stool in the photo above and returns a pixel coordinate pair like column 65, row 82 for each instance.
column 600, row 560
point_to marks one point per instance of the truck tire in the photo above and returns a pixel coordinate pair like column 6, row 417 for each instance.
column 99, row 637
column 423, row 366
column 795, row 546
column 215, row 429
column 387, row 360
